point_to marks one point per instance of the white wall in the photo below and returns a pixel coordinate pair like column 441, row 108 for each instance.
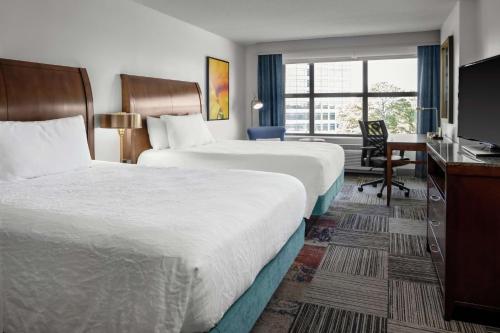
column 325, row 49
column 488, row 27
column 110, row 37
column 451, row 27
column 476, row 30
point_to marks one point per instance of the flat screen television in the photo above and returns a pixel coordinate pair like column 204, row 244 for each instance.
column 479, row 102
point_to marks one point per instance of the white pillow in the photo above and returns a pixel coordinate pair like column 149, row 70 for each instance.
column 39, row 148
column 187, row 131
column 157, row 131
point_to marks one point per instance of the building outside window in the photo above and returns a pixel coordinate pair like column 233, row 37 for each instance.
column 329, row 98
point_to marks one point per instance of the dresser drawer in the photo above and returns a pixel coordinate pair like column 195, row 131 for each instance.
column 437, row 257
column 436, row 215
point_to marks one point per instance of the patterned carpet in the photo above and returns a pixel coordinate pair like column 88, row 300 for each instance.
column 364, row 268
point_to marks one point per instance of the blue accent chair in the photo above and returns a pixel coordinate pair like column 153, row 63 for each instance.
column 266, row 132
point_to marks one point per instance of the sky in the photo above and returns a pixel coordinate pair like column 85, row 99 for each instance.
column 400, row 72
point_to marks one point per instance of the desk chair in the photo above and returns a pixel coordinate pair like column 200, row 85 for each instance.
column 266, row 132
column 374, row 154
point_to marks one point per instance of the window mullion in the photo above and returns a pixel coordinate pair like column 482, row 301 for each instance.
column 365, row 90
column 311, row 98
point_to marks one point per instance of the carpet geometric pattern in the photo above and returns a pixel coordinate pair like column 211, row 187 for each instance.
column 364, row 268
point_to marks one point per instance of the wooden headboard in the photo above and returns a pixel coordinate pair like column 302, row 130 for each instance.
column 32, row 92
column 155, row 97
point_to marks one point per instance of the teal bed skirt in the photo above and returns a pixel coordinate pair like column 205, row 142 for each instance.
column 325, row 200
column 243, row 314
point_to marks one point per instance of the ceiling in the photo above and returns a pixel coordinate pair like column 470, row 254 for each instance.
column 254, row 21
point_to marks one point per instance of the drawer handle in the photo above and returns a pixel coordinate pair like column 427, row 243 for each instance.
column 435, row 223
column 435, row 197
column 434, row 248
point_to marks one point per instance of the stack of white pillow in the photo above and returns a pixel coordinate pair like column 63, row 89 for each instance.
column 178, row 132
column 38, row 148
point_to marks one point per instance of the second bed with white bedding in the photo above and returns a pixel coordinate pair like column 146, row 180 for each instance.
column 120, row 248
column 317, row 165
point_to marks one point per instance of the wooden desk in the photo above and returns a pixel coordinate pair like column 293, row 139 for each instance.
column 406, row 142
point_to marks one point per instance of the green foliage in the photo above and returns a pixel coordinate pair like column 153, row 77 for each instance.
column 398, row 112
column 348, row 117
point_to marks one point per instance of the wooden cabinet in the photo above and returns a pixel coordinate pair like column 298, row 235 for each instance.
column 463, row 232
column 436, row 227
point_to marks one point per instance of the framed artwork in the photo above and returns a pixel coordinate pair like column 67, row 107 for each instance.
column 447, row 71
column 217, row 89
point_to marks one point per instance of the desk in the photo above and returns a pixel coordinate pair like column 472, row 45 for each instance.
column 406, row 142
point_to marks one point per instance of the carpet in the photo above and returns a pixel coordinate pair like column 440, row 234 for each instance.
column 364, row 269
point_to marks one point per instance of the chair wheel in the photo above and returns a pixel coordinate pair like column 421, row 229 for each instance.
column 407, row 194
column 360, row 189
column 379, row 195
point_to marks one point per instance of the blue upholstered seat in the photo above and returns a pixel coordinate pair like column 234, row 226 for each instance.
column 266, row 132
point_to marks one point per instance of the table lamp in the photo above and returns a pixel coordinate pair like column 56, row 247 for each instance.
column 120, row 121
column 255, row 105
column 435, row 133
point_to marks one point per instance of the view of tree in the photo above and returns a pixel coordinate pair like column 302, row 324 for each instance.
column 348, row 118
column 398, row 113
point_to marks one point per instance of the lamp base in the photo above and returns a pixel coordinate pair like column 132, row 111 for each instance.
column 121, row 133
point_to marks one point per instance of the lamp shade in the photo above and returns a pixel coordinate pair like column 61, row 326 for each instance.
column 257, row 104
column 119, row 120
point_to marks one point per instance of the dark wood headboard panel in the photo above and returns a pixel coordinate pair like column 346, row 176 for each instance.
column 33, row 92
column 155, row 97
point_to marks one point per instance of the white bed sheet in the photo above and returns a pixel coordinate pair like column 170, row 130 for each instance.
column 317, row 165
column 121, row 248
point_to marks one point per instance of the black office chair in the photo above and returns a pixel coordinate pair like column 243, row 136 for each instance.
column 374, row 154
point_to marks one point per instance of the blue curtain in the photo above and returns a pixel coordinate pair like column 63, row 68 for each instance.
column 271, row 91
column 428, row 96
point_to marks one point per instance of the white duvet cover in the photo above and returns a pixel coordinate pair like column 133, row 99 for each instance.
column 317, row 165
column 121, row 248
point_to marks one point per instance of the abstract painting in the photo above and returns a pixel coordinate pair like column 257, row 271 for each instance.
column 217, row 89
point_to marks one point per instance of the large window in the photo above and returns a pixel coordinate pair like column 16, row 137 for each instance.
column 329, row 98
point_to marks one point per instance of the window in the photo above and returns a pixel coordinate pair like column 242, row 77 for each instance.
column 297, row 115
column 392, row 84
column 339, row 113
column 329, row 98
column 297, row 78
column 400, row 74
column 338, row 77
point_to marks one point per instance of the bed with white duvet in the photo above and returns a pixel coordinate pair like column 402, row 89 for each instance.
column 122, row 248
column 317, row 165
column 175, row 134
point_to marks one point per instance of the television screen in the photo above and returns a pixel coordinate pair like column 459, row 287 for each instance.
column 479, row 101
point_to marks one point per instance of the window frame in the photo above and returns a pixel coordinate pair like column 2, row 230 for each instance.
column 365, row 95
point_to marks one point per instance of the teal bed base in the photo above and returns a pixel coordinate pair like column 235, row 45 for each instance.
column 242, row 315
column 325, row 200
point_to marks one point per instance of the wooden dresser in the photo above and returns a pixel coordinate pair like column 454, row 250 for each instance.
column 463, row 231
